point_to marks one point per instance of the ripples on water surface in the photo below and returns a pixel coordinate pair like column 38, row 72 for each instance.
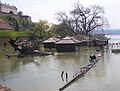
column 43, row 73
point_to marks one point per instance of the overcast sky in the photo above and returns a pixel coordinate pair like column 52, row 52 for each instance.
column 46, row 9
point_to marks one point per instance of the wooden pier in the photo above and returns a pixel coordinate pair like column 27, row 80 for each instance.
column 83, row 71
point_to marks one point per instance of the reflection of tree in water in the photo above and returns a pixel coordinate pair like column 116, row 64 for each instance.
column 8, row 69
column 25, row 61
column 36, row 63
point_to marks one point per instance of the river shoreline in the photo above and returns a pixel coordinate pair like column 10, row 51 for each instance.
column 5, row 88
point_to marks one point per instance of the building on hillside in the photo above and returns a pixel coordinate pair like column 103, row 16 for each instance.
column 67, row 44
column 6, row 8
column 50, row 42
column 4, row 25
column 26, row 18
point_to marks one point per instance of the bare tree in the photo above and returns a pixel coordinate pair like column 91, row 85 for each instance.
column 65, row 20
column 84, row 19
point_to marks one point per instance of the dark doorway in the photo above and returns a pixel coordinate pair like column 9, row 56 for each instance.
column 11, row 12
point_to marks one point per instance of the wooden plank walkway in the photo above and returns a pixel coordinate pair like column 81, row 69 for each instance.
column 83, row 71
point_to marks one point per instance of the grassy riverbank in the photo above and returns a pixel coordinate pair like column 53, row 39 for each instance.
column 5, row 88
column 8, row 33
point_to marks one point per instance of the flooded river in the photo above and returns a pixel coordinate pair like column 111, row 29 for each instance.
column 44, row 73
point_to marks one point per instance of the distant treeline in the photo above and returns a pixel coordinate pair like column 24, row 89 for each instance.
column 109, row 32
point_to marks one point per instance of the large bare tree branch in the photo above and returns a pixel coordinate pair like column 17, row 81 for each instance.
column 84, row 19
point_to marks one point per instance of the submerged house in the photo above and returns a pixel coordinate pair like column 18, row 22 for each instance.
column 50, row 42
column 100, row 40
column 85, row 40
column 67, row 44
column 94, row 40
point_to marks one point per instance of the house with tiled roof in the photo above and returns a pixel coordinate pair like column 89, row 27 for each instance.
column 67, row 44
column 100, row 40
column 93, row 40
column 50, row 42
column 85, row 40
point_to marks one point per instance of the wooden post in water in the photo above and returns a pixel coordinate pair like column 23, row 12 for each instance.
column 66, row 77
column 85, row 69
column 62, row 73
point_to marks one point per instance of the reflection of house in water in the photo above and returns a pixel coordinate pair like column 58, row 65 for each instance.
column 67, row 44
column 50, row 42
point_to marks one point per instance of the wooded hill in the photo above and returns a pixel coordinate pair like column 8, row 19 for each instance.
column 18, row 24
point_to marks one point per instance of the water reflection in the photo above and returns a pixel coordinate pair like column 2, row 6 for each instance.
column 10, row 68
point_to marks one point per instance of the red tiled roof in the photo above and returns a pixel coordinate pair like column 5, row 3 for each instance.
column 4, row 25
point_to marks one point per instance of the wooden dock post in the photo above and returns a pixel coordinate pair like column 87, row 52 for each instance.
column 62, row 73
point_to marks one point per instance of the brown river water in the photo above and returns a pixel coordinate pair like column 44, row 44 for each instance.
column 44, row 73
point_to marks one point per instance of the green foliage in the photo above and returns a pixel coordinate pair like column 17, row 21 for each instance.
column 42, row 27
column 13, row 34
column 16, row 26
column 49, row 34
column 62, row 30
column 18, row 23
